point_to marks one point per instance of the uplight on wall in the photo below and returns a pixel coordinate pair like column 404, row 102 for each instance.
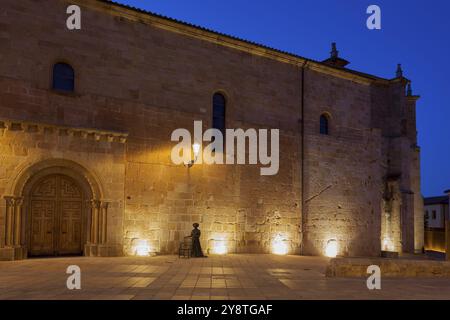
column 387, row 244
column 220, row 247
column 142, row 249
column 279, row 246
column 195, row 151
column 331, row 248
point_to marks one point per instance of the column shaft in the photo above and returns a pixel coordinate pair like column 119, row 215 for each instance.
column 95, row 204
column 104, row 212
column 9, row 221
column 17, row 221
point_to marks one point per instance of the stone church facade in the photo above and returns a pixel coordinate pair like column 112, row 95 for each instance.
column 88, row 171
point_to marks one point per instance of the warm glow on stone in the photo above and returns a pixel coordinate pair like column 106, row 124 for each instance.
column 387, row 244
column 220, row 247
column 331, row 249
column 279, row 246
column 142, row 249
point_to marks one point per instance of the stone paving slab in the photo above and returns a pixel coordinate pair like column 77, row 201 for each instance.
column 399, row 268
column 230, row 277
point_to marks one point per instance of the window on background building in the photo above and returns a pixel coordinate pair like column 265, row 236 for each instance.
column 63, row 77
column 324, row 125
column 434, row 215
column 219, row 105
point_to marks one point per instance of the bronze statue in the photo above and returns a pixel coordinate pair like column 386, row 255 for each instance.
column 196, row 247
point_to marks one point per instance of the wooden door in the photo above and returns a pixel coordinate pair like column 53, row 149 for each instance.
column 70, row 217
column 42, row 225
column 56, row 217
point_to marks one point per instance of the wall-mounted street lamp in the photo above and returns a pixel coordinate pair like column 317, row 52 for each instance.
column 195, row 150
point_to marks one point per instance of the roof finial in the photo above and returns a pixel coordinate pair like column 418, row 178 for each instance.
column 409, row 90
column 334, row 52
column 334, row 59
column 399, row 71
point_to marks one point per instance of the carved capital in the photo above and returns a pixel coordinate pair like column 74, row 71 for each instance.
column 9, row 201
column 18, row 201
column 104, row 205
column 95, row 204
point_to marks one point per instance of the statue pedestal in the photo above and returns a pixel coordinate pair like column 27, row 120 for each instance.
column 389, row 254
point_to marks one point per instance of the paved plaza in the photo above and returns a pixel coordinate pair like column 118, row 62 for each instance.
column 230, row 277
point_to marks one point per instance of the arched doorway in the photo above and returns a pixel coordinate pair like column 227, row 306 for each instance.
column 56, row 207
column 57, row 216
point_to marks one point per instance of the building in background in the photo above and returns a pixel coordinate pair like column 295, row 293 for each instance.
column 436, row 215
column 436, row 212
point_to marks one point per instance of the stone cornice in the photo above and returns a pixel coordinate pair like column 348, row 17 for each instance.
column 39, row 127
column 169, row 24
column 412, row 98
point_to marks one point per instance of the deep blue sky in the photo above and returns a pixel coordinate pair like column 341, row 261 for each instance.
column 414, row 33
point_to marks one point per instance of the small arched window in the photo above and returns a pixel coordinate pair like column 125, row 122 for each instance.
column 63, row 77
column 324, row 125
column 219, row 105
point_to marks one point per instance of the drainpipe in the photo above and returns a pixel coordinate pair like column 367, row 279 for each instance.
column 302, row 145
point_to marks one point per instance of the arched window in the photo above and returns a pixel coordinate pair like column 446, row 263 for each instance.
column 324, row 128
column 219, row 104
column 63, row 77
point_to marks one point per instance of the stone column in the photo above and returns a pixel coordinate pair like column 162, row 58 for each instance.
column 17, row 221
column 95, row 208
column 9, row 225
column 407, row 222
column 97, row 237
column 13, row 230
column 103, row 222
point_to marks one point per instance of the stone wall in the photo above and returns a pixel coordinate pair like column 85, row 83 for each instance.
column 343, row 173
column 149, row 84
column 390, row 268
column 148, row 76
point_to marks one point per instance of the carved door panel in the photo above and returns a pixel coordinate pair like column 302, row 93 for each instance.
column 56, row 217
column 42, row 238
column 70, row 231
